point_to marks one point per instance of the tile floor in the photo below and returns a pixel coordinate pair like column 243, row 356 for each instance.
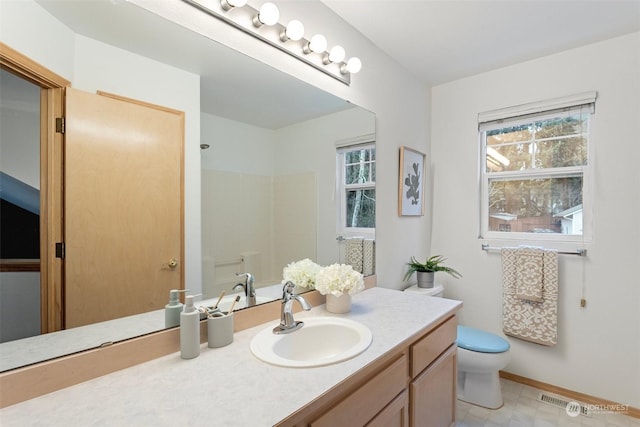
column 521, row 409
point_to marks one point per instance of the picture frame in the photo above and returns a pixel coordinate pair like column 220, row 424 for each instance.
column 411, row 182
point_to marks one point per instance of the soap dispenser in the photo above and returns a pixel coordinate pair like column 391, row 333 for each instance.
column 189, row 330
column 173, row 309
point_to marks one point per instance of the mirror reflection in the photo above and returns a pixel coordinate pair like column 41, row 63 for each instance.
column 268, row 176
column 269, row 196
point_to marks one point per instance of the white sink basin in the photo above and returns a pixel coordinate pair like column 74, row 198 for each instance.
column 321, row 341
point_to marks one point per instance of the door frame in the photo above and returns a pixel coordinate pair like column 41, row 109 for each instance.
column 51, row 181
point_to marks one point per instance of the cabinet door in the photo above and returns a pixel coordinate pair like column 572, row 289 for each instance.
column 361, row 406
column 395, row 414
column 433, row 393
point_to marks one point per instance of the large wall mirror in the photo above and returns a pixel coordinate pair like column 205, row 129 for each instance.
column 268, row 162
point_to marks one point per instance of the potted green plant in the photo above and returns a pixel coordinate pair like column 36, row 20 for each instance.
column 425, row 271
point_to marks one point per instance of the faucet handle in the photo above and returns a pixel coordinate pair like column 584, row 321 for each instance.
column 287, row 290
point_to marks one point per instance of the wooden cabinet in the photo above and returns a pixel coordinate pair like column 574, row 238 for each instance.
column 362, row 405
column 413, row 385
column 433, row 393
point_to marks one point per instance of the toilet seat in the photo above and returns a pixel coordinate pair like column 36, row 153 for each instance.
column 480, row 341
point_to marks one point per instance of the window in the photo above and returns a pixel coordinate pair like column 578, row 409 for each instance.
column 356, row 187
column 535, row 174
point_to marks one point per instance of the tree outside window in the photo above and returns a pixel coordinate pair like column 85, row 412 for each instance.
column 356, row 185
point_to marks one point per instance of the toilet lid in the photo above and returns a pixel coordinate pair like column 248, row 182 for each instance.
column 480, row 341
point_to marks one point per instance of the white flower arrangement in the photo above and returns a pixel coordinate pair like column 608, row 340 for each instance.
column 338, row 279
column 302, row 273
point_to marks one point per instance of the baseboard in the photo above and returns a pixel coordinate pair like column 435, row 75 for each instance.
column 580, row 397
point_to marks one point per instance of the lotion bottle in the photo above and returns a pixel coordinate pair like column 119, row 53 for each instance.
column 189, row 330
column 173, row 309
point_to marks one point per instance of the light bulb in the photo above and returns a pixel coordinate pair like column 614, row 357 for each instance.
column 268, row 15
column 294, row 30
column 318, row 44
column 336, row 54
column 230, row 4
column 352, row 66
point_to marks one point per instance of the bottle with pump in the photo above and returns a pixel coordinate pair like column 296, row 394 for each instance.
column 189, row 330
column 173, row 309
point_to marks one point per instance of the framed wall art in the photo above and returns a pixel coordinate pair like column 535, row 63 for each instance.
column 411, row 183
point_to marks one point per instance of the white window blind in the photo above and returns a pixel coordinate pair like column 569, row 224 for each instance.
column 534, row 170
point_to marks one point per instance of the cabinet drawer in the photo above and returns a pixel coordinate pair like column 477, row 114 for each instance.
column 427, row 349
column 362, row 405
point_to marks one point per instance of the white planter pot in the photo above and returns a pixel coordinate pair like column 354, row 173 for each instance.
column 338, row 305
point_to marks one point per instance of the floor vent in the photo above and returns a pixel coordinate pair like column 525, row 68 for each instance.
column 562, row 402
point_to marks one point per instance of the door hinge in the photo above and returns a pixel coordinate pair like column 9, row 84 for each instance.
column 60, row 250
column 60, row 124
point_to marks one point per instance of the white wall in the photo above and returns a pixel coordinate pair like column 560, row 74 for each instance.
column 236, row 147
column 19, row 292
column 237, row 193
column 598, row 351
column 32, row 31
column 20, row 133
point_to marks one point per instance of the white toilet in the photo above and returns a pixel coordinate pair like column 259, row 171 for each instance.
column 481, row 355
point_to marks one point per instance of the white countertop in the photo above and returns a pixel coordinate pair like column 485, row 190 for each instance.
column 226, row 386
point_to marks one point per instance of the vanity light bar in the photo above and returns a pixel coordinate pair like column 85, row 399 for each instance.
column 263, row 24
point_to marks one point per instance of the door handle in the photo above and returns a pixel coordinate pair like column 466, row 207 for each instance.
column 173, row 263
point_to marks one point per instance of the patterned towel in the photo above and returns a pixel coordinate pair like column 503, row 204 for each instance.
column 530, row 320
column 354, row 253
column 529, row 274
column 369, row 257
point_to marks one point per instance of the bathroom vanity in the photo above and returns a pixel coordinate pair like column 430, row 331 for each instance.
column 414, row 384
column 405, row 377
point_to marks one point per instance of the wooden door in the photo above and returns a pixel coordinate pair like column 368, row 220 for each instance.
column 123, row 207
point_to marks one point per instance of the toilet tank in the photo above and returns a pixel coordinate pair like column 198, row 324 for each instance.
column 436, row 291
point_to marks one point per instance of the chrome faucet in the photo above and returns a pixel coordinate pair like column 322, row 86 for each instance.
column 249, row 289
column 287, row 323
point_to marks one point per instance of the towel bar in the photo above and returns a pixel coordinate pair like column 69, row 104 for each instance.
column 232, row 261
column 579, row 252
